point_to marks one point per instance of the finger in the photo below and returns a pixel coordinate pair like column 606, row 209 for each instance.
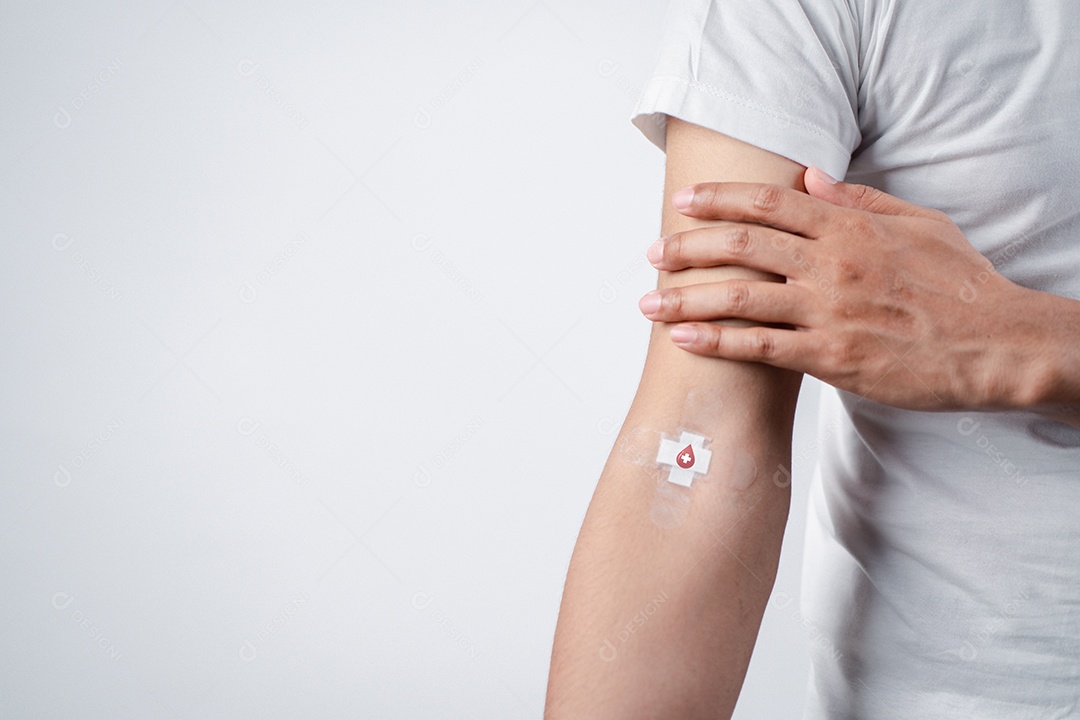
column 745, row 244
column 790, row 349
column 863, row 197
column 757, row 300
column 778, row 207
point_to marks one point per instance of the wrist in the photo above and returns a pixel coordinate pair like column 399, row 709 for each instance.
column 1041, row 352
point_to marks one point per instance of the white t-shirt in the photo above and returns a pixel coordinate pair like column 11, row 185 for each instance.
column 942, row 555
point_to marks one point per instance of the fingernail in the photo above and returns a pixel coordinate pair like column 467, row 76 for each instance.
column 655, row 252
column 681, row 199
column 683, row 334
column 650, row 303
column 824, row 176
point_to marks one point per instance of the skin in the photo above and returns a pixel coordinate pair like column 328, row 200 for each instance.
column 882, row 298
column 715, row 571
column 857, row 308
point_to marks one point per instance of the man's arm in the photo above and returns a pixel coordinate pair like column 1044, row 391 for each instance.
column 884, row 299
column 661, row 622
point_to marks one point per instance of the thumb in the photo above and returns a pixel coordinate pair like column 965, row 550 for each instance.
column 860, row 197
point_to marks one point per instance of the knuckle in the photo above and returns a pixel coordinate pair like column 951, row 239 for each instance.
column 901, row 287
column 863, row 194
column 837, row 354
column 849, row 270
column 671, row 302
column 711, row 339
column 675, row 249
column 705, row 194
column 768, row 198
column 761, row 345
column 871, row 199
column 737, row 296
column 843, row 355
column 739, row 241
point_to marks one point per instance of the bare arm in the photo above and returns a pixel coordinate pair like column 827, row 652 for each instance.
column 661, row 622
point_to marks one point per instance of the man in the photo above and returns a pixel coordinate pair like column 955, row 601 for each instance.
column 942, row 558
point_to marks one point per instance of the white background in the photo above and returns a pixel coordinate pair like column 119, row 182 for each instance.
column 318, row 323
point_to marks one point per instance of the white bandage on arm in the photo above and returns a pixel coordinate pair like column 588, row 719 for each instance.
column 677, row 462
column 685, row 458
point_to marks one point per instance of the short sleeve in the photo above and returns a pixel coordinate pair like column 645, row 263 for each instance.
column 782, row 75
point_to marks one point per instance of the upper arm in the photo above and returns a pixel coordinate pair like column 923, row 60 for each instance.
column 696, row 154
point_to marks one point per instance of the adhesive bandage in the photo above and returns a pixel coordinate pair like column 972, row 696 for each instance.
column 686, row 457
column 676, row 463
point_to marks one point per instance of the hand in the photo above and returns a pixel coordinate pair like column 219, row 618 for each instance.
column 882, row 298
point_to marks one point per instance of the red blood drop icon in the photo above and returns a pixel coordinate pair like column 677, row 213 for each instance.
column 685, row 458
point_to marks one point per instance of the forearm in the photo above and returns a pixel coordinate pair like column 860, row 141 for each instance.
column 662, row 622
